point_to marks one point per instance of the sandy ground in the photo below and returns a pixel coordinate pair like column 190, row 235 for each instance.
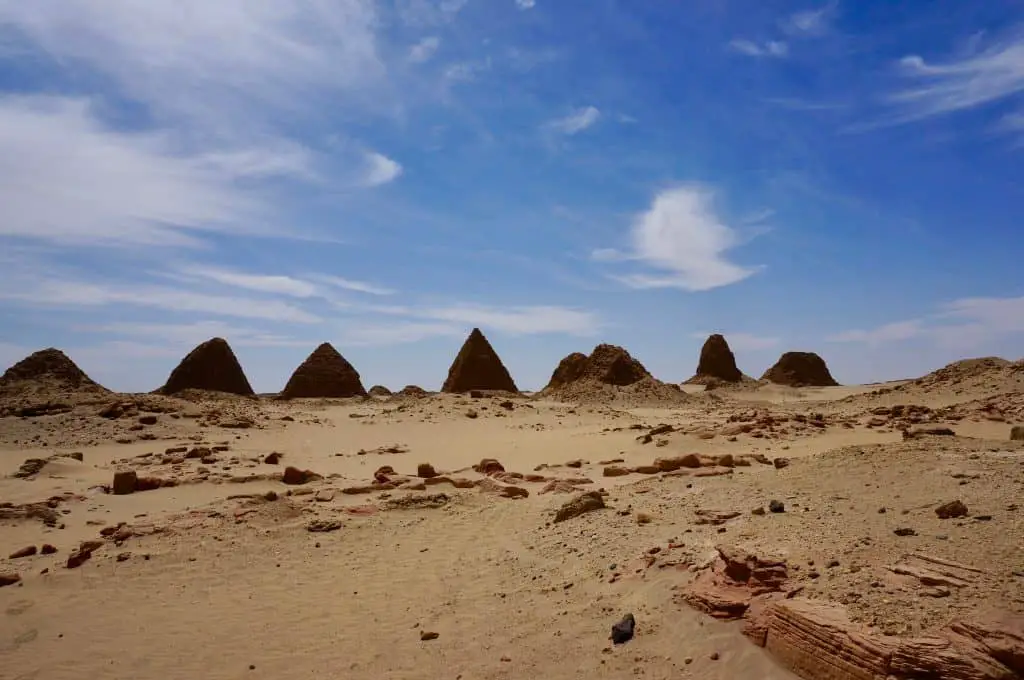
column 216, row 581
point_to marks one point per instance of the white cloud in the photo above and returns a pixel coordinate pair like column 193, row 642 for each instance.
column 224, row 62
column 770, row 48
column 682, row 235
column 963, row 323
column 176, row 335
column 577, row 121
column 351, row 285
column 72, row 294
column 65, row 178
column 465, row 71
column 380, row 169
column 515, row 320
column 975, row 80
column 263, row 283
column 398, row 333
column 526, row 4
column 424, row 49
column 812, row 22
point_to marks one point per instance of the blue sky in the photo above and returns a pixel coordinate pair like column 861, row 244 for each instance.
column 838, row 177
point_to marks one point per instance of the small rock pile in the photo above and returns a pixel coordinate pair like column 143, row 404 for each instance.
column 800, row 369
column 478, row 367
column 324, row 374
column 212, row 366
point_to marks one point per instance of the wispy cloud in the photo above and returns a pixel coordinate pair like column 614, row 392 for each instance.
column 526, row 4
column 398, row 332
column 381, row 169
column 424, row 49
column 576, row 122
column 769, row 48
column 513, row 319
column 176, row 335
column 263, row 283
column 352, row 285
column 962, row 323
column 975, row 80
column 811, row 22
column 683, row 235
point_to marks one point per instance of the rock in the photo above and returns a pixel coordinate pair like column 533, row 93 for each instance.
column 714, row 517
column 478, row 367
column 30, row 468
column 928, row 431
column 125, row 482
column 645, row 470
column 84, row 552
column 717, row 362
column 426, row 635
column 489, row 466
column 587, row 501
column 147, row 420
column 800, row 369
column 150, row 483
column 324, row 374
column 293, row 475
column 425, row 471
column 323, row 525
column 780, row 463
column 951, row 509
column 27, row 551
column 124, row 556
column 776, row 506
column 737, row 577
column 623, row 630
column 47, row 549
column 904, row 531
column 615, row 471
column 1017, row 433
column 324, row 496
column 272, row 458
column 8, row 578
column 472, row 415
column 210, row 366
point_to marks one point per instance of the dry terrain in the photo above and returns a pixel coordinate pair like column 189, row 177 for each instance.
column 218, row 536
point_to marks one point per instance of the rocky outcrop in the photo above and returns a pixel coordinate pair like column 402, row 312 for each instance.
column 587, row 501
column 800, row 369
column 211, row 366
column 324, row 374
column 717, row 363
column 727, row 590
column 478, row 367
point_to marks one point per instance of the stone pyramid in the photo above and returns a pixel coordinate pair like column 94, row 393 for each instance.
column 478, row 367
column 324, row 373
column 606, row 365
column 210, row 366
column 716, row 362
column 47, row 369
column 800, row 369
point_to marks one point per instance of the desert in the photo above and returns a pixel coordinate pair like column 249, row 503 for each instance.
column 609, row 525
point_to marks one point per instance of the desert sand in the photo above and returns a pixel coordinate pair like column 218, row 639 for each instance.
column 753, row 530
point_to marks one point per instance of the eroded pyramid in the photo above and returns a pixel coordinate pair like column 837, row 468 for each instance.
column 800, row 369
column 324, row 373
column 478, row 367
column 47, row 369
column 211, row 366
column 717, row 362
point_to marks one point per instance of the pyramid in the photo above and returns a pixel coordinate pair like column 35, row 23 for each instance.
column 379, row 391
column 716, row 362
column 324, row 373
column 210, row 366
column 478, row 367
column 800, row 369
column 609, row 374
column 569, row 370
column 48, row 369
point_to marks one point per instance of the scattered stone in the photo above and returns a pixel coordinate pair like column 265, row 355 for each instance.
column 425, row 471
column 125, row 482
column 293, row 475
column 210, row 366
column 623, row 630
column 1017, row 433
column 928, row 431
column 489, row 466
column 27, row 551
column 478, row 367
column 781, row 463
column 147, row 420
column 272, row 458
column 82, row 554
column 714, row 656
column 30, row 468
column 124, row 557
column 428, row 635
column 757, row 511
column 776, row 506
column 319, row 526
column 324, row 374
column 904, row 531
column 8, row 578
column 615, row 471
column 47, row 549
column 587, row 501
column 952, row 509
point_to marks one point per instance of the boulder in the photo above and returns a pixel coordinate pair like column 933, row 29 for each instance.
column 587, row 501
column 1017, row 433
column 425, row 471
column 125, row 482
column 293, row 475
column 951, row 510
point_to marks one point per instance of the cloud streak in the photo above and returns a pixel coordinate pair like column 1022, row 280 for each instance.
column 769, row 48
column 576, row 122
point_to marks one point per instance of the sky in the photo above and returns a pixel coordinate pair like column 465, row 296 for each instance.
column 839, row 177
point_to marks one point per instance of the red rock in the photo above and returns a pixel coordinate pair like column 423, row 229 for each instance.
column 489, row 466
column 8, row 578
column 615, row 471
column 272, row 458
column 727, row 589
column 125, row 482
column 951, row 509
column 84, row 552
column 646, row 469
column 47, row 549
column 587, row 501
column 150, row 483
column 425, row 471
column 27, row 551
column 293, row 475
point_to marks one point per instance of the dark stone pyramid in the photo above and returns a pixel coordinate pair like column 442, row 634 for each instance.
column 211, row 366
column 324, row 373
column 478, row 367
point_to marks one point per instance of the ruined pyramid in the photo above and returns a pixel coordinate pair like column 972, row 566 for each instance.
column 324, row 373
column 47, row 370
column 800, row 369
column 717, row 362
column 478, row 367
column 210, row 366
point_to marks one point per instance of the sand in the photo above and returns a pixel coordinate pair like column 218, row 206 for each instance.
column 211, row 579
